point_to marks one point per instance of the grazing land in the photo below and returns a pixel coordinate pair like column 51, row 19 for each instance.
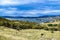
column 27, row 34
column 25, row 30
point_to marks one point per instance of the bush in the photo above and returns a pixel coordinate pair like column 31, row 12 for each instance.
column 55, row 25
column 50, row 24
column 53, row 29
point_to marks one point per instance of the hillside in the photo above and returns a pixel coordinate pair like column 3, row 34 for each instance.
column 27, row 34
column 18, row 25
column 25, row 30
column 3, row 19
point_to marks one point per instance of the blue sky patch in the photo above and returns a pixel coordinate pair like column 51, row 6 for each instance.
column 28, row 8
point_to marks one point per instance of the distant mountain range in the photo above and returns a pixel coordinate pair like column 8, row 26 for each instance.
column 45, row 16
column 39, row 19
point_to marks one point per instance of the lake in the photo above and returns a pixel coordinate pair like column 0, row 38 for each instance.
column 31, row 19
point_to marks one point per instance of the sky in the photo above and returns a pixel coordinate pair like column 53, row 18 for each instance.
column 29, row 8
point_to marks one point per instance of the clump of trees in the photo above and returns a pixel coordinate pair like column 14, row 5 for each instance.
column 53, row 25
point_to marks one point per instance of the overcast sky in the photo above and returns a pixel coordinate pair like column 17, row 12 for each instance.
column 31, row 8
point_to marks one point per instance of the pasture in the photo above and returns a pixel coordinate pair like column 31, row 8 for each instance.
column 27, row 34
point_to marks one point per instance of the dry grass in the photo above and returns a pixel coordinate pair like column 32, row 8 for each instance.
column 27, row 34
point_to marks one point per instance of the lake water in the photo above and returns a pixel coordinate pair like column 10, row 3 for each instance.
column 30, row 19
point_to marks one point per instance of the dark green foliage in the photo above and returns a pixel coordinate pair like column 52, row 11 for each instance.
column 42, row 34
column 18, row 25
column 52, row 29
column 50, row 24
column 55, row 25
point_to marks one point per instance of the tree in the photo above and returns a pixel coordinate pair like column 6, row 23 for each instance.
column 50, row 24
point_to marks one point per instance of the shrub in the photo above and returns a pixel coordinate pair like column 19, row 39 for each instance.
column 50, row 24
column 53, row 29
column 55, row 25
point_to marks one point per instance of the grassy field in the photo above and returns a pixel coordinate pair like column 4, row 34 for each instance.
column 27, row 34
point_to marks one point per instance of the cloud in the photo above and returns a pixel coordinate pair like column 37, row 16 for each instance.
column 54, row 0
column 32, row 13
column 51, row 11
column 19, row 2
column 29, row 7
column 22, row 2
column 9, row 2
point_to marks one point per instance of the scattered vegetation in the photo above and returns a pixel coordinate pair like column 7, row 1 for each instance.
column 31, row 30
column 18, row 25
